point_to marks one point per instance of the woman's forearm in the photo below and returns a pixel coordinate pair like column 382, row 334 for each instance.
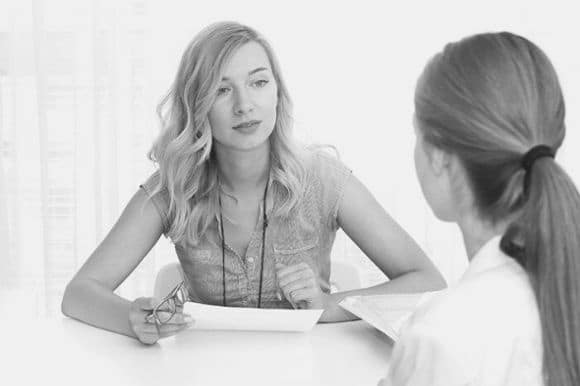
column 90, row 302
column 415, row 281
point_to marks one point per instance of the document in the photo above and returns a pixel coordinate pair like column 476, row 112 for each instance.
column 208, row 317
column 387, row 313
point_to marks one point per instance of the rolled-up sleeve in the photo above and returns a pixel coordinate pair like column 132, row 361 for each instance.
column 333, row 176
column 160, row 199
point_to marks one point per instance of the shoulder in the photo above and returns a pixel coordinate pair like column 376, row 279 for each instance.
column 498, row 302
column 487, row 327
column 323, row 166
column 324, row 183
column 151, row 184
column 484, row 326
column 159, row 196
column 322, row 157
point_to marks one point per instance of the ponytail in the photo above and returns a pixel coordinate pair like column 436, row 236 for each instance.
column 546, row 242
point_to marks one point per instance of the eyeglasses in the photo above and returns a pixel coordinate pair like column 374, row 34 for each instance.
column 169, row 305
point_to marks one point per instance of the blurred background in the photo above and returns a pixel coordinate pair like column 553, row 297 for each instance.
column 80, row 80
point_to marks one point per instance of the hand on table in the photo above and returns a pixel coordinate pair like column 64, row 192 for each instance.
column 299, row 284
column 145, row 327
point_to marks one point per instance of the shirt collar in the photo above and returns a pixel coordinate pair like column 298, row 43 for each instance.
column 488, row 257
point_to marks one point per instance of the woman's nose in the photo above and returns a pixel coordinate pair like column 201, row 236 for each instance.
column 243, row 103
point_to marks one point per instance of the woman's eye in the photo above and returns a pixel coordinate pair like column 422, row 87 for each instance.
column 223, row 90
column 261, row 83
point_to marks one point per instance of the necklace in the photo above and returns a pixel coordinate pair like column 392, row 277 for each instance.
column 264, row 226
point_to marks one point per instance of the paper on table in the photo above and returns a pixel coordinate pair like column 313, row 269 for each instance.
column 208, row 317
column 387, row 313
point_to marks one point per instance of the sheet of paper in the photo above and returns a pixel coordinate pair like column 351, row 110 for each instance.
column 387, row 313
column 208, row 317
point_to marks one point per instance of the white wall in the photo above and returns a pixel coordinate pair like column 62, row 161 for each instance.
column 351, row 69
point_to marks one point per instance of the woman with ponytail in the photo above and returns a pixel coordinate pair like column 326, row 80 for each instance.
column 252, row 215
column 489, row 119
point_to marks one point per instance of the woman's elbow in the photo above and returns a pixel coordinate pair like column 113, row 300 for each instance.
column 70, row 298
column 65, row 305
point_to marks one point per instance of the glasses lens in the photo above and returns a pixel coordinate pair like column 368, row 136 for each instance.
column 171, row 304
column 165, row 310
column 164, row 316
column 181, row 296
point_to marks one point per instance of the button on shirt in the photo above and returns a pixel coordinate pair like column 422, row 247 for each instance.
column 306, row 236
column 484, row 331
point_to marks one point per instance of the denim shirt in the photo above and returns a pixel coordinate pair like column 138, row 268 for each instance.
column 306, row 236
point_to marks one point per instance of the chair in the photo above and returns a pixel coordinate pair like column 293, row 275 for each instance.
column 344, row 277
column 167, row 278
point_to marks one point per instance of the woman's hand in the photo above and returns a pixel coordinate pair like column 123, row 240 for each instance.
column 300, row 286
column 146, row 330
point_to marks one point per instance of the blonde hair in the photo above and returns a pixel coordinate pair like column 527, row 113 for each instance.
column 489, row 99
column 183, row 150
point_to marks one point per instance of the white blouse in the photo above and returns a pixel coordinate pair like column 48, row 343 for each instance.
column 484, row 331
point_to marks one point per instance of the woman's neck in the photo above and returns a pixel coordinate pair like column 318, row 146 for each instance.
column 476, row 232
column 243, row 171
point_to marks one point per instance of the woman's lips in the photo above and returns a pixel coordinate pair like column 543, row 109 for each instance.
column 247, row 126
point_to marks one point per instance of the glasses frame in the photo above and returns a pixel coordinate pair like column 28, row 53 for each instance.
column 172, row 303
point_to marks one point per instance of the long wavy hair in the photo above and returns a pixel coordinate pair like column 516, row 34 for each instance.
column 488, row 99
column 183, row 151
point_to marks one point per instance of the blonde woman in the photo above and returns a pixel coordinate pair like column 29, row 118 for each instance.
column 489, row 119
column 252, row 216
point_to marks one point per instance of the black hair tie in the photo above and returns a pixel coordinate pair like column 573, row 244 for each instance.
column 532, row 156
column 535, row 153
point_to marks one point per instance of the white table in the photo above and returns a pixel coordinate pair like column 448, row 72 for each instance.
column 66, row 352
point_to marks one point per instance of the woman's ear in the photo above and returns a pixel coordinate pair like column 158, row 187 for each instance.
column 439, row 160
